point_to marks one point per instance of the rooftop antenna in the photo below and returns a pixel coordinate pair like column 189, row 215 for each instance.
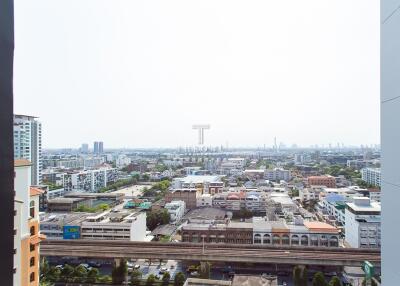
column 201, row 128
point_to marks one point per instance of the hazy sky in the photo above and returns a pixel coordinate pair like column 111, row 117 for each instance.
column 140, row 73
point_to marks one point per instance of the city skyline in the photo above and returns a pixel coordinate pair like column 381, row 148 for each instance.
column 153, row 71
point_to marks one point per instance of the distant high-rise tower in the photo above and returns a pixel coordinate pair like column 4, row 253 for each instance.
column 96, row 147
column 101, row 149
column 85, row 148
column 28, row 144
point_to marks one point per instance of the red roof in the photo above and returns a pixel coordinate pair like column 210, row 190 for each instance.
column 35, row 191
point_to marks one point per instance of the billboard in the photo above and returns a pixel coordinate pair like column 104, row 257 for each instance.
column 71, row 232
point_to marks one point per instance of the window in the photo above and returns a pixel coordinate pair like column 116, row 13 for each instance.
column 257, row 238
column 32, row 277
column 32, row 261
column 32, row 247
column 266, row 239
column 32, row 209
column 285, row 239
column 32, row 230
column 304, row 240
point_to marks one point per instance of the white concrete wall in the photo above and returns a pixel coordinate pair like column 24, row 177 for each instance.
column 390, row 138
column 22, row 182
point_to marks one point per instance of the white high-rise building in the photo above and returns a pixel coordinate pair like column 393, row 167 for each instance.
column 28, row 143
column 371, row 176
column 363, row 223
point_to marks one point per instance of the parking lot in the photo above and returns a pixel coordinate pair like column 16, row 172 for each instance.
column 156, row 268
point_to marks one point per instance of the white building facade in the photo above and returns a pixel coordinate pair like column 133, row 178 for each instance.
column 371, row 176
column 176, row 210
column 363, row 223
column 277, row 174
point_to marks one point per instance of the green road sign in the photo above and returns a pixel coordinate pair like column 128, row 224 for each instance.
column 368, row 269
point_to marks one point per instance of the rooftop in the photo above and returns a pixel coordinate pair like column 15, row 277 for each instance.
column 22, row 163
column 317, row 226
column 198, row 179
column 35, row 191
column 364, row 204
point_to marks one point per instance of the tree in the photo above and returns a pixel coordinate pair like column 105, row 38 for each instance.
column 335, row 281
column 67, row 272
column 373, row 283
column 80, row 274
column 136, row 277
column 179, row 279
column 165, row 279
column 92, row 275
column 205, row 269
column 304, row 277
column 155, row 218
column 151, row 280
column 300, row 276
column 319, row 279
column 119, row 272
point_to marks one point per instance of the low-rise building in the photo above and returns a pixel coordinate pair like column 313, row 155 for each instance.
column 176, row 210
column 204, row 200
column 326, row 180
column 206, row 184
column 218, row 232
column 262, row 231
column 313, row 234
column 121, row 225
column 189, row 196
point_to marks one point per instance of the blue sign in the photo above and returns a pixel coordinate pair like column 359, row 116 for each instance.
column 71, row 232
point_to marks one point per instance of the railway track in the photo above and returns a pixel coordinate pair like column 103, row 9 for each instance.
column 278, row 254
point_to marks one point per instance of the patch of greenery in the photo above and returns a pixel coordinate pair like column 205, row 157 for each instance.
column 98, row 208
column 120, row 183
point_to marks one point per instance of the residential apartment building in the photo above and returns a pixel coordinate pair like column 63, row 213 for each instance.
column 326, row 180
column 371, row 176
column 333, row 208
column 176, row 210
column 206, row 184
column 363, row 223
column 277, row 174
column 122, row 161
column 83, row 162
column 28, row 144
column 26, row 227
column 89, row 180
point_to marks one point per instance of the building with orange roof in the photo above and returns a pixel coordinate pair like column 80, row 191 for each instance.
column 26, row 227
column 326, row 180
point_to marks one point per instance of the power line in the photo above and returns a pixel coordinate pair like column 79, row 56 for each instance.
column 391, row 14
column 390, row 99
